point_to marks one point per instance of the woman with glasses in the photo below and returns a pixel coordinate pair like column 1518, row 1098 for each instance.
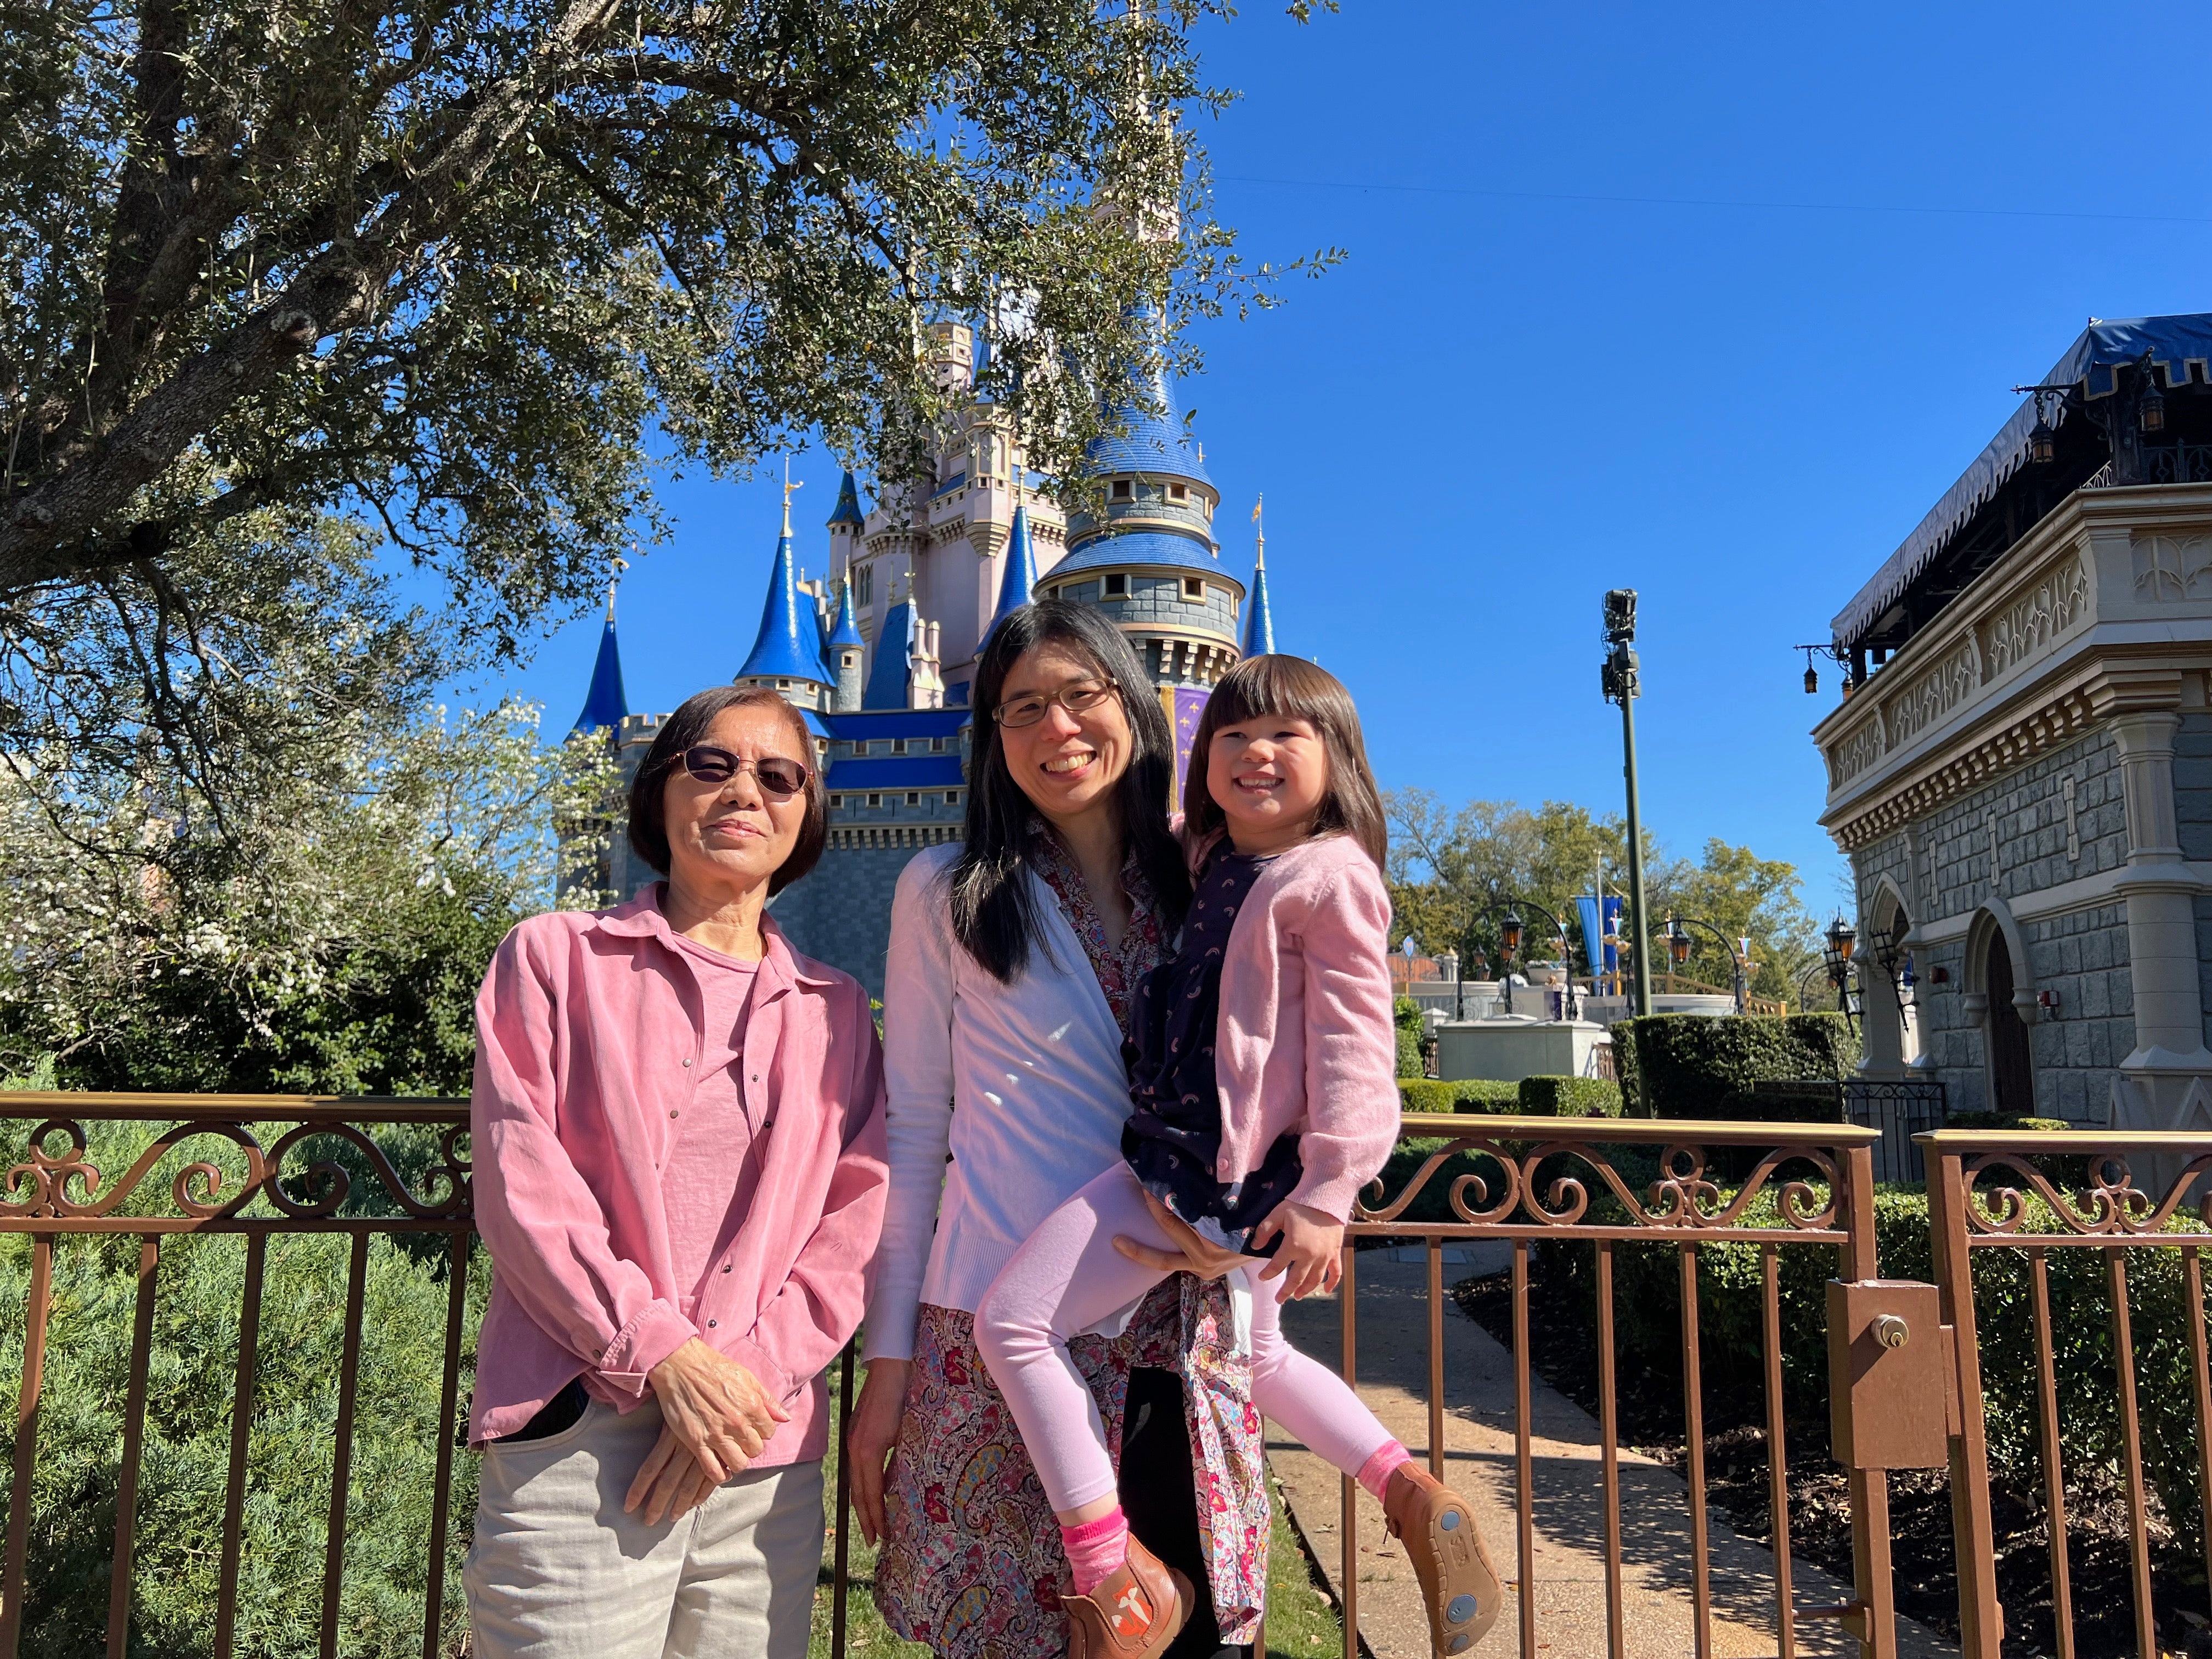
column 678, row 1142
column 1014, row 956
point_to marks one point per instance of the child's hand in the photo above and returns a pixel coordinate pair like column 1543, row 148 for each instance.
column 1311, row 1257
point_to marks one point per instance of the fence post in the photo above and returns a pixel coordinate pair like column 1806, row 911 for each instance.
column 1981, row 1620
column 1870, row 1564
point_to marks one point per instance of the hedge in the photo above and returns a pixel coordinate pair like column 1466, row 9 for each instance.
column 1569, row 1097
column 1647, row 1322
column 1690, row 1065
column 1406, row 1013
column 1480, row 1094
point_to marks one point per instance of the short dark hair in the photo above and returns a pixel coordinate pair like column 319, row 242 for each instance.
column 993, row 913
column 648, row 822
column 1294, row 688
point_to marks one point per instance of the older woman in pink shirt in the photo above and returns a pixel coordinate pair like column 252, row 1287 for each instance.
column 678, row 1132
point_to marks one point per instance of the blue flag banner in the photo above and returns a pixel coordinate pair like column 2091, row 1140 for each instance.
column 1593, row 935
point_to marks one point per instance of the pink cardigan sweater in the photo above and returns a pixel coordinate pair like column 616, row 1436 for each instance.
column 1305, row 1044
column 588, row 1040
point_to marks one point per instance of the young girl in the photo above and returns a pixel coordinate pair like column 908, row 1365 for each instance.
column 1262, row 1072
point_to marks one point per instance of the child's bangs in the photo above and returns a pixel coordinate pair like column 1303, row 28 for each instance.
column 1288, row 688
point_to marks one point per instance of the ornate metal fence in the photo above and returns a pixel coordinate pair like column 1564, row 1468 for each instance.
column 1900, row 1110
column 259, row 1168
column 2020, row 1200
column 1603, row 1183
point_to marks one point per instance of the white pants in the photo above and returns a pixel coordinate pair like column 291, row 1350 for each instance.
column 559, row 1571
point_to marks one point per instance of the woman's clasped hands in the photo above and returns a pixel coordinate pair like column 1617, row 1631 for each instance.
column 716, row 1417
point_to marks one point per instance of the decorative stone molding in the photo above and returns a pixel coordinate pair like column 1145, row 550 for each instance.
column 2172, row 567
column 2033, row 621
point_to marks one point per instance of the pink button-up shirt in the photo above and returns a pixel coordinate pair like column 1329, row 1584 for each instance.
column 590, row 1035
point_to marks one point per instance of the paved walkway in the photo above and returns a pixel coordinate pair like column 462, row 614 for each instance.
column 1570, row 1580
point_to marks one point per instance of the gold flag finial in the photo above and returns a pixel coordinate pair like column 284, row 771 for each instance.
column 1260, row 530
column 787, row 487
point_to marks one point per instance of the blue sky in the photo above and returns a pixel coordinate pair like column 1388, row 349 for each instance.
column 1710, row 302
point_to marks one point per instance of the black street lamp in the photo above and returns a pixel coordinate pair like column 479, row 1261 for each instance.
column 1620, row 683
column 1678, row 948
column 1843, row 938
column 1511, row 929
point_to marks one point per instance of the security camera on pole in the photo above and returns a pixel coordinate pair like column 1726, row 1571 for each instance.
column 1619, row 681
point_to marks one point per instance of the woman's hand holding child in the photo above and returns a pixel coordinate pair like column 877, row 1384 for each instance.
column 1310, row 1258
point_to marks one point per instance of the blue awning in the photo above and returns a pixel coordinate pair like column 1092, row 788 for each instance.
column 2174, row 342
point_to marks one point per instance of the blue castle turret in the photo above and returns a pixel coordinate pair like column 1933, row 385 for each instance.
column 1151, row 561
column 604, row 706
column 1019, row 584
column 845, row 648
column 1258, row 615
column 786, row 655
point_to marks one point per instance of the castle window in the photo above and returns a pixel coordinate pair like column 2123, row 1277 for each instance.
column 1117, row 587
column 913, row 798
column 864, row 584
column 783, row 685
column 1120, row 489
column 860, row 747
column 1178, row 493
column 836, row 801
column 937, row 745
column 875, row 800
column 898, row 745
column 952, row 797
column 1194, row 587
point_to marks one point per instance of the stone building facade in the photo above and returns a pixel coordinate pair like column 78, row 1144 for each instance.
column 2021, row 771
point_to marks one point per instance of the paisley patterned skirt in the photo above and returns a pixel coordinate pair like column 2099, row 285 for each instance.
column 972, row 1564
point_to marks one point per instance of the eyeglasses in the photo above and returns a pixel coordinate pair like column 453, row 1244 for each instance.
column 1079, row 698
column 778, row 777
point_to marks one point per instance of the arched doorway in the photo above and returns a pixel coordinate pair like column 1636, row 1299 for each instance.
column 2012, row 1073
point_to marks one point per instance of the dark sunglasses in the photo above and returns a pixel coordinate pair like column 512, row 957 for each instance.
column 779, row 777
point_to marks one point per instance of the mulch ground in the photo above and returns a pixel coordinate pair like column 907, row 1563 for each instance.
column 1563, row 1353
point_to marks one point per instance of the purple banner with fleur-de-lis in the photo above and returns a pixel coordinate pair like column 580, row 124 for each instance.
column 1184, row 705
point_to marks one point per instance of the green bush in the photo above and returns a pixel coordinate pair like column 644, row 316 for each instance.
column 1476, row 1094
column 1688, row 1066
column 1647, row 1302
column 1569, row 1097
column 1407, row 1014
column 185, row 1459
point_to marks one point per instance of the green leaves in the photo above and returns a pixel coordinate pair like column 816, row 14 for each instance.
column 525, row 250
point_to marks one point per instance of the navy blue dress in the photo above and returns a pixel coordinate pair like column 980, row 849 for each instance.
column 1172, row 1140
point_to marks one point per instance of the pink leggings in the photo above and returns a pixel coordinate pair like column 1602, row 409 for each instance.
column 1066, row 1278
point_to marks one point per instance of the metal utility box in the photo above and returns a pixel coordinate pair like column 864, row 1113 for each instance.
column 1892, row 1391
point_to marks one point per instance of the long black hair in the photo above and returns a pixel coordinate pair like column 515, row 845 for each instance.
column 994, row 911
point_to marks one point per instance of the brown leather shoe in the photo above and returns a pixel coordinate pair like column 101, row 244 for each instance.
column 1458, row 1584
column 1135, row 1614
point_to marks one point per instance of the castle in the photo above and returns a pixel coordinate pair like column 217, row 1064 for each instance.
column 880, row 654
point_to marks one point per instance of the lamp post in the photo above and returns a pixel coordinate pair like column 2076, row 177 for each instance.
column 1619, row 681
column 1509, row 930
column 1843, row 939
column 1678, row 948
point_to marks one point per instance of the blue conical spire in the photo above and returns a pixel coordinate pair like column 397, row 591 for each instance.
column 1258, row 615
column 848, row 503
column 605, row 704
column 789, row 646
column 1020, row 578
column 847, row 629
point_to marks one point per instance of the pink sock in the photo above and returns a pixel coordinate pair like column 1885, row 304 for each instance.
column 1375, row 1473
column 1097, row 1549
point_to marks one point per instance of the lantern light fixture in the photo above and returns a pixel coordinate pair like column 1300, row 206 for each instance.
column 2150, row 409
column 1509, row 934
column 1678, row 943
